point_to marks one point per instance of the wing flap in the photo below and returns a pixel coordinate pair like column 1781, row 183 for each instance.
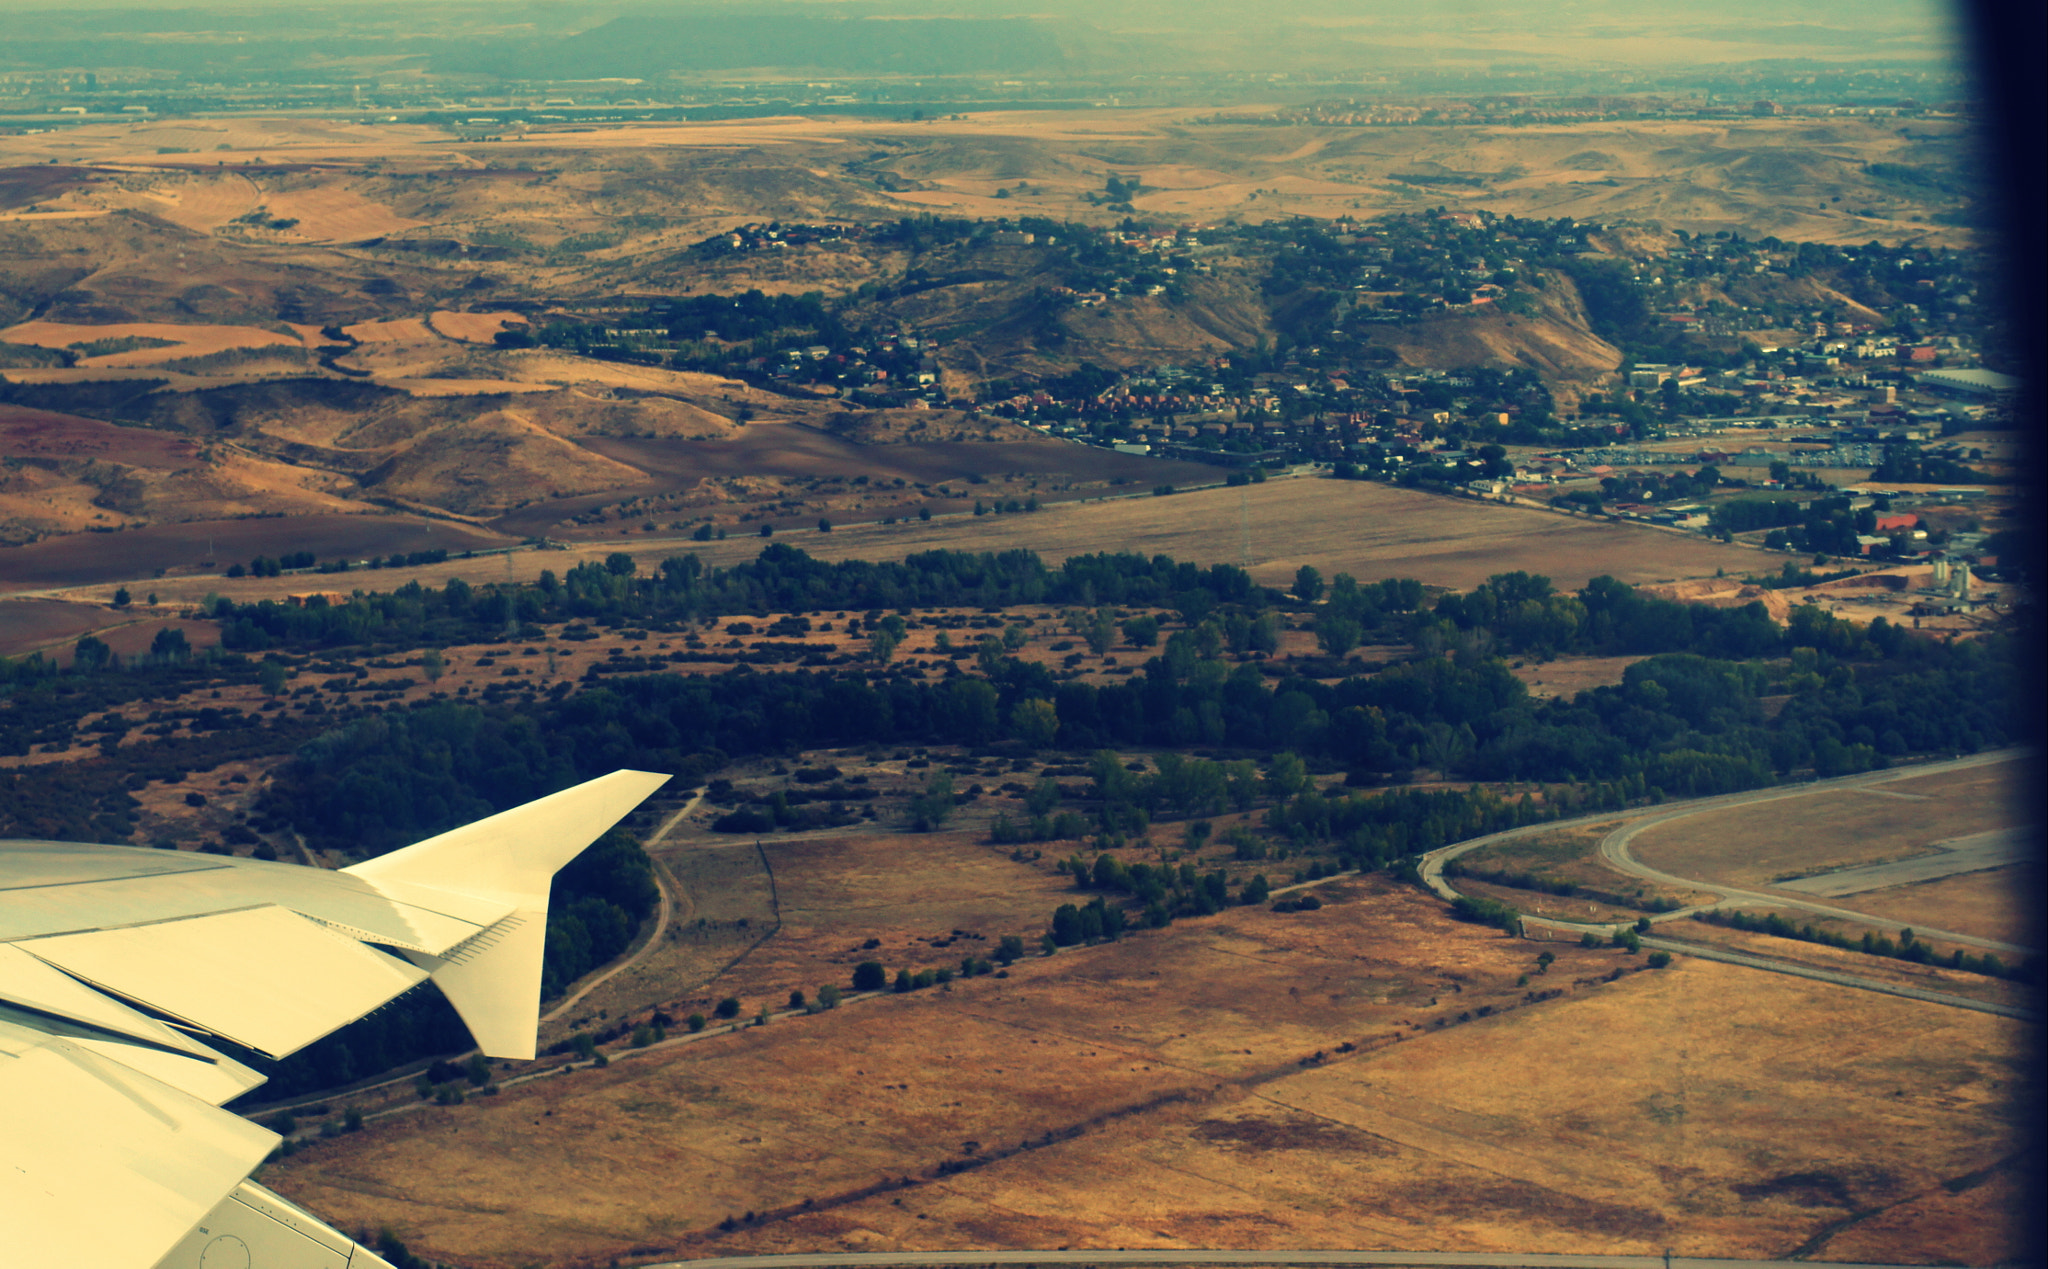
column 265, row 978
column 104, row 1165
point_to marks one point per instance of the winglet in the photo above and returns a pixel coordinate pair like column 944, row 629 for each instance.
column 493, row 979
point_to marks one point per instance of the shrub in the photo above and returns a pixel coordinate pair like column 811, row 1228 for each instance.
column 694, row 1022
column 1658, row 960
column 728, row 1008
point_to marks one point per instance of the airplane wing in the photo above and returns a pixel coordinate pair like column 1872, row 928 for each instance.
column 118, row 964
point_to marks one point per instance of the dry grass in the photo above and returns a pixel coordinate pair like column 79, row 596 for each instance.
column 1842, row 960
column 335, row 215
column 1754, row 845
column 1997, row 904
column 1568, row 676
column 186, row 341
column 1368, row 530
column 1161, row 1088
column 473, row 328
column 1573, row 855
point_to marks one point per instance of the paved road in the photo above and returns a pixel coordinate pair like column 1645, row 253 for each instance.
column 1711, row 953
column 1172, row 1256
column 1614, row 848
column 1975, row 853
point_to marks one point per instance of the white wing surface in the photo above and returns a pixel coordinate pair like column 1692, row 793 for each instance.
column 116, row 964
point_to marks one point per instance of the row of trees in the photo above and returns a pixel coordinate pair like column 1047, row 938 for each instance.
column 781, row 579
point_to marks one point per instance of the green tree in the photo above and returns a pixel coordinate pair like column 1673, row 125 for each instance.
column 1338, row 635
column 1308, row 584
column 870, row 976
column 881, row 646
column 90, row 653
column 433, row 665
column 1287, row 776
column 121, row 599
column 934, row 805
column 1099, row 630
column 1264, row 635
column 728, row 1008
column 271, row 677
column 1142, row 631
column 1035, row 722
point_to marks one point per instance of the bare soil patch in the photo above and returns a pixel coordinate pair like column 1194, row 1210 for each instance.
column 86, row 559
column 31, row 433
column 1568, row 676
column 29, row 624
column 807, row 472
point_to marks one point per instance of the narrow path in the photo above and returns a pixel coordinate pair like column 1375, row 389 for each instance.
column 664, row 884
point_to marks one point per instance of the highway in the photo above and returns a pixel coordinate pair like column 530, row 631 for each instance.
column 1188, row 1256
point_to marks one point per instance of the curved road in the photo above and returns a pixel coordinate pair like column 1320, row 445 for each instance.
column 1614, row 849
column 1172, row 1256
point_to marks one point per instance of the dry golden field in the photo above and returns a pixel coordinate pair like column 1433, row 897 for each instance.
column 1996, row 903
column 1754, row 845
column 183, row 340
column 1193, row 1088
column 1369, row 530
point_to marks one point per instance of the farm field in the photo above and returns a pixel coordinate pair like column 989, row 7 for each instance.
column 28, row 624
column 172, row 340
column 1191, row 1087
column 138, row 554
column 768, row 452
column 1369, row 530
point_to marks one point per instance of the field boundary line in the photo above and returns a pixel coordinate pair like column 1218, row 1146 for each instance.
column 1704, row 952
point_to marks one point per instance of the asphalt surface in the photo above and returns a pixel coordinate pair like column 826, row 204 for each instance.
column 1975, row 853
column 1614, row 849
column 1172, row 1256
